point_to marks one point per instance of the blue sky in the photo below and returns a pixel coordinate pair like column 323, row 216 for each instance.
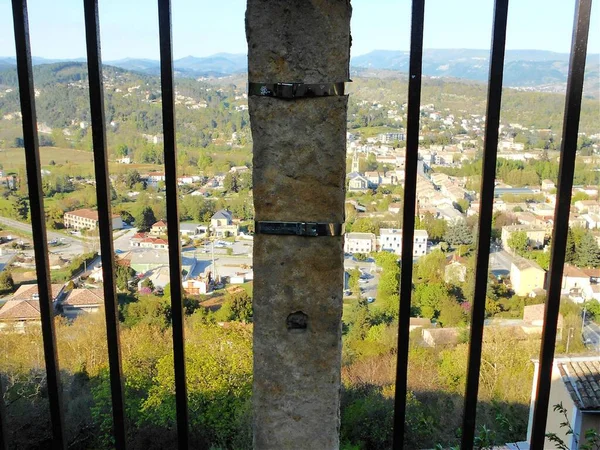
column 129, row 28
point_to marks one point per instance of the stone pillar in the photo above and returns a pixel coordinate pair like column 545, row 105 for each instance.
column 299, row 175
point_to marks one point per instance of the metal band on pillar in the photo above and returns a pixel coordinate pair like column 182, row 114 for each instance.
column 290, row 91
column 311, row 229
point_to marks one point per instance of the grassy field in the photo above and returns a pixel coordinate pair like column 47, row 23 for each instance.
column 14, row 158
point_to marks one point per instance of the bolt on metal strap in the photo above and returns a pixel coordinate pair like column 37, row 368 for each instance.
column 311, row 229
column 290, row 91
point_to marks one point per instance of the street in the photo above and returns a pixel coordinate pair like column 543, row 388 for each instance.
column 70, row 245
column 591, row 335
column 368, row 284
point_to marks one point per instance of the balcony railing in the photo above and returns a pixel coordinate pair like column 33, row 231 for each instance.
column 559, row 236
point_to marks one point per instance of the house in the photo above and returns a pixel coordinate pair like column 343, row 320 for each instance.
column 357, row 182
column 592, row 220
column 373, row 178
column 359, row 242
column 159, row 228
column 221, row 224
column 82, row 301
column 197, row 287
column 574, row 385
column 153, row 178
column 144, row 240
column 418, row 322
column 439, row 337
column 23, row 308
column 239, row 169
column 87, row 219
column 390, row 239
column 526, row 276
column 190, row 229
column 535, row 235
column 533, row 320
column 575, row 280
column 548, row 185
column 395, row 208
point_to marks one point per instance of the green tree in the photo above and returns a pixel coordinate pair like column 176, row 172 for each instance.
column 145, row 219
column 354, row 277
column 436, row 228
column 6, row 281
column 204, row 161
column 122, row 150
column 459, row 234
column 236, row 307
column 431, row 267
column 588, row 253
column 132, row 177
column 451, row 313
column 123, row 274
column 230, row 183
column 579, row 195
column 518, row 242
column 570, row 250
column 20, row 207
column 364, row 225
column 429, row 297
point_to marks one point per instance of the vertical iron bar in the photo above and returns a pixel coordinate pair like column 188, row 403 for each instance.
column 170, row 149
column 33, row 167
column 408, row 220
column 561, row 214
column 38, row 222
column 492, row 122
column 111, row 310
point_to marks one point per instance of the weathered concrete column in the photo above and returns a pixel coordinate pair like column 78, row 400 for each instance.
column 299, row 176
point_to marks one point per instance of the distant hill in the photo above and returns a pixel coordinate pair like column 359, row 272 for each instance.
column 523, row 68
column 220, row 64
column 527, row 69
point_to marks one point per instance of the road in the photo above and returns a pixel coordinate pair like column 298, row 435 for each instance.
column 370, row 280
column 591, row 335
column 71, row 245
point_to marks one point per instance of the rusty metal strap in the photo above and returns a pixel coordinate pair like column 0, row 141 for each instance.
column 290, row 91
column 312, row 229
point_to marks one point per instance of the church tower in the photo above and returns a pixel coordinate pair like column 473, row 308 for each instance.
column 355, row 165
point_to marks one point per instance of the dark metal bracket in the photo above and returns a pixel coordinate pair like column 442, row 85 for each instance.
column 291, row 91
column 311, row 229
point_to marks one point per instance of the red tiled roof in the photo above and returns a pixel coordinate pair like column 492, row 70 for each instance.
column 20, row 310
column 581, row 377
column 87, row 214
column 84, row 297
column 27, row 291
column 574, row 272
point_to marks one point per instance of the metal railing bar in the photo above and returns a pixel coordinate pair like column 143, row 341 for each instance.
column 170, row 150
column 111, row 309
column 38, row 218
column 561, row 213
column 408, row 220
column 492, row 122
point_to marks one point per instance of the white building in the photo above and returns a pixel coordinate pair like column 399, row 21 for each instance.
column 88, row 219
column 390, row 239
column 359, row 243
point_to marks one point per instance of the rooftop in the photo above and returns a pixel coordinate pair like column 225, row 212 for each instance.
column 581, row 376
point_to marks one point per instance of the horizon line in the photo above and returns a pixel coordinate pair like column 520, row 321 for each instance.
column 245, row 54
